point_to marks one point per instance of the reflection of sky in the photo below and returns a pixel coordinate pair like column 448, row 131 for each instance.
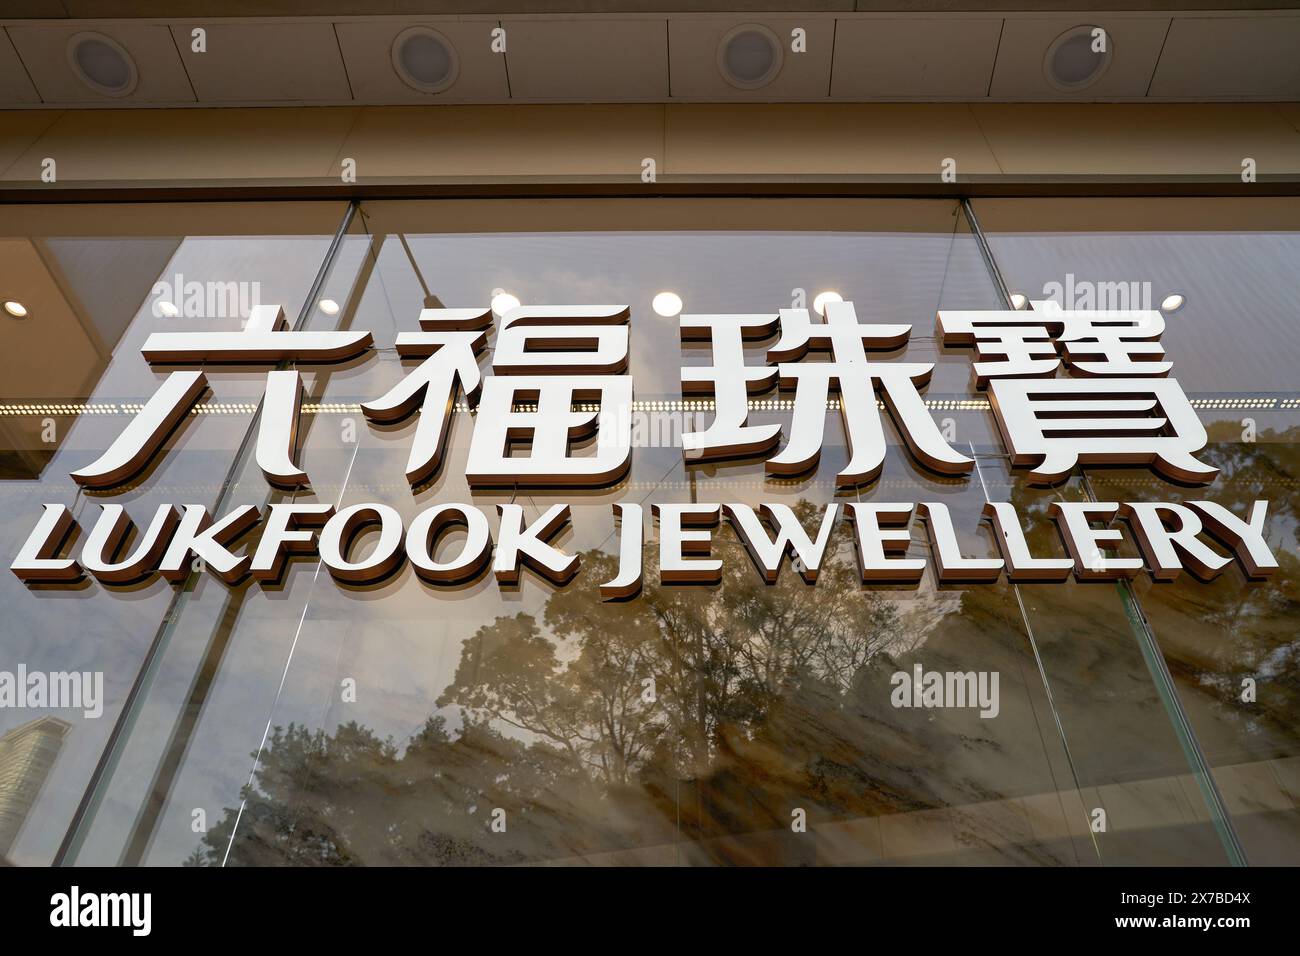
column 890, row 277
column 1237, row 331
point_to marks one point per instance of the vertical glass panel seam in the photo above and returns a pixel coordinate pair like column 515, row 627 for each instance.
column 1150, row 649
column 114, row 746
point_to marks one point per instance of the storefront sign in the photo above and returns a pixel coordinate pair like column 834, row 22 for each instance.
column 561, row 379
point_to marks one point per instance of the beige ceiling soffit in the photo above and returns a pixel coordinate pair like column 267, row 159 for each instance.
column 284, row 8
column 646, row 53
column 611, row 143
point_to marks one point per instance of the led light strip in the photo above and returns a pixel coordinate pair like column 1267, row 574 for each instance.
column 679, row 405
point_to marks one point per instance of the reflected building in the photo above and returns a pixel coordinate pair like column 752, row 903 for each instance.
column 27, row 755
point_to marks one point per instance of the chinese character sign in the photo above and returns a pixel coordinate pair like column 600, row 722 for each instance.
column 561, row 378
column 554, row 409
column 1116, row 407
column 849, row 372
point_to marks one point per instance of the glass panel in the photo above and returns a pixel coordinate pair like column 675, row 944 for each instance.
column 309, row 721
column 1230, row 645
column 414, row 724
column 1127, row 759
column 94, row 282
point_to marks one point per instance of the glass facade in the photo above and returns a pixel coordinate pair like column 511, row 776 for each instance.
column 1234, row 351
column 313, row 723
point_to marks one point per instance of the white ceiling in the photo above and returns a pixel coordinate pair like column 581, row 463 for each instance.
column 980, row 56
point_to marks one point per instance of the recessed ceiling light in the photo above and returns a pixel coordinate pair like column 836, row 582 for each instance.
column 750, row 56
column 16, row 309
column 1073, row 62
column 425, row 59
column 102, row 64
column 667, row 304
column 819, row 303
column 1173, row 302
column 1018, row 301
column 503, row 302
column 168, row 309
column 329, row 306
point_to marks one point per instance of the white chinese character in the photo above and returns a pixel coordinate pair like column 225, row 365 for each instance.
column 550, row 357
column 265, row 340
column 1118, row 409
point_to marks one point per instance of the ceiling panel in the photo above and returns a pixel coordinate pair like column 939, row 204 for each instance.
column 1207, row 58
column 276, row 61
column 645, row 57
column 1135, row 46
column 916, row 58
column 588, row 60
column 15, row 86
column 367, row 54
column 803, row 76
column 43, row 48
column 283, row 8
column 52, row 9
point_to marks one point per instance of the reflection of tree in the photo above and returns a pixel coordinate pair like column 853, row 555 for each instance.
column 716, row 657
column 589, row 720
column 350, row 797
column 688, row 713
column 590, row 708
column 1214, row 634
